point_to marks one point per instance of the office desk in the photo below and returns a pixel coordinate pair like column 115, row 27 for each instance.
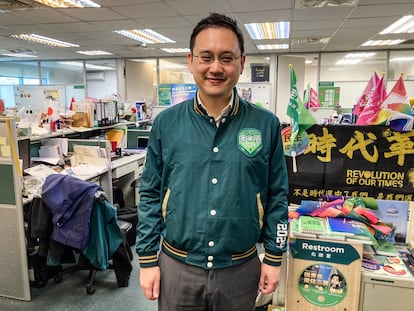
column 126, row 170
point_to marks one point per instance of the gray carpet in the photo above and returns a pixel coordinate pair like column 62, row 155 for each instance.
column 71, row 295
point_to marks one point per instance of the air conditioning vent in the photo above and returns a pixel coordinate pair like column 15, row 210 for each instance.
column 301, row 4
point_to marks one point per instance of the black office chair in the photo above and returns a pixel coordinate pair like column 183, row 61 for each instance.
column 84, row 264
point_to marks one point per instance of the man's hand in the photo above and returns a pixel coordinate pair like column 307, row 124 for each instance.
column 150, row 282
column 269, row 278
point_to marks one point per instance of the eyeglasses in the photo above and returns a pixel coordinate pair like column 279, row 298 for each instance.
column 225, row 60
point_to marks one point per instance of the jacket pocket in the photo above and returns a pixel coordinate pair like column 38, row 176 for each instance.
column 260, row 210
column 164, row 203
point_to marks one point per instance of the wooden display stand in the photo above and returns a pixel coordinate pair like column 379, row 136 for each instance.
column 323, row 275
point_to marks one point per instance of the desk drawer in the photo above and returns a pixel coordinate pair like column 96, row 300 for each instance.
column 124, row 169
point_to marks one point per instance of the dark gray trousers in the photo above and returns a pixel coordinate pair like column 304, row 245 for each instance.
column 185, row 287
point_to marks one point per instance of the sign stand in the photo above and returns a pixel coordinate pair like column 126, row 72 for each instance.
column 323, row 274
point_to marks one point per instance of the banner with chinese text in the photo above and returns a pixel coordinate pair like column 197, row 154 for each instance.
column 363, row 161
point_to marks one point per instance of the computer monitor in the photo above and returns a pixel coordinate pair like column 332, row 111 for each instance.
column 142, row 142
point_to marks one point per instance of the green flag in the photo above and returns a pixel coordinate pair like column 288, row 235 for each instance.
column 301, row 118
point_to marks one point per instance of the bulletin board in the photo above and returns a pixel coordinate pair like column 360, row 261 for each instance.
column 37, row 97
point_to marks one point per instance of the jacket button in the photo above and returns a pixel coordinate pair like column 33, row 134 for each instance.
column 214, row 181
column 209, row 264
column 210, row 258
column 211, row 243
column 213, row 212
column 215, row 149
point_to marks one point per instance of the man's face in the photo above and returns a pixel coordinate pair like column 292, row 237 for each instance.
column 216, row 78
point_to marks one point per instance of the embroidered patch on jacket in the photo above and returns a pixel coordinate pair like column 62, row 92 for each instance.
column 250, row 141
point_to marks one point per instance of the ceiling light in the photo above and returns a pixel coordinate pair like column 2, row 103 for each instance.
column 176, row 50
column 69, row 3
column 18, row 55
column 359, row 55
column 146, row 36
column 94, row 52
column 88, row 66
column 274, row 30
column 43, row 40
column 402, row 59
column 352, row 61
column 383, row 42
column 272, row 46
column 404, row 25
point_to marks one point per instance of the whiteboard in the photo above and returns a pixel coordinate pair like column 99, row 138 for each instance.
column 37, row 97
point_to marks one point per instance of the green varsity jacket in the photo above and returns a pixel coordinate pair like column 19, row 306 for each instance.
column 209, row 194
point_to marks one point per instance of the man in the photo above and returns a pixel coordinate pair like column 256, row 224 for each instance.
column 214, row 184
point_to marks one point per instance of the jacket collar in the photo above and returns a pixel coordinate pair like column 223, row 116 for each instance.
column 199, row 109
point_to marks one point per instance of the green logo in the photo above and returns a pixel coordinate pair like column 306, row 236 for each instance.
column 250, row 141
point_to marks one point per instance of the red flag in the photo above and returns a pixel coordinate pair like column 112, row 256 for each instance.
column 367, row 94
column 311, row 99
column 373, row 106
column 397, row 99
column 71, row 103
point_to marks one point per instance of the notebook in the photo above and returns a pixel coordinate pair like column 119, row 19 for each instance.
column 341, row 226
column 313, row 225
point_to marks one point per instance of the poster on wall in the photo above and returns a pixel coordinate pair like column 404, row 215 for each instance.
column 260, row 72
column 363, row 161
column 328, row 96
column 164, row 95
column 172, row 94
column 182, row 92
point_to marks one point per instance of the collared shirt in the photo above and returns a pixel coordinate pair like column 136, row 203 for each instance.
column 223, row 113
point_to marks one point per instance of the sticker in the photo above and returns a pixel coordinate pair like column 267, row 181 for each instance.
column 299, row 145
column 250, row 141
column 322, row 285
column 2, row 140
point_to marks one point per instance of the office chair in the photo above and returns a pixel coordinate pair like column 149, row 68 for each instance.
column 84, row 221
column 84, row 264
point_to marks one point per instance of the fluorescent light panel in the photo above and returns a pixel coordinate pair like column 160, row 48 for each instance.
column 88, row 66
column 18, row 55
column 351, row 61
column 383, row 42
column 94, row 52
column 176, row 50
column 34, row 38
column 272, row 46
column 404, row 25
column 402, row 59
column 146, row 36
column 359, row 55
column 69, row 3
column 268, row 30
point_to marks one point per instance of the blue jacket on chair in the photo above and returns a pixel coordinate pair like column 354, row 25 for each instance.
column 70, row 200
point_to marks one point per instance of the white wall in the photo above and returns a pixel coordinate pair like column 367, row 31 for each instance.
column 103, row 88
column 139, row 81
